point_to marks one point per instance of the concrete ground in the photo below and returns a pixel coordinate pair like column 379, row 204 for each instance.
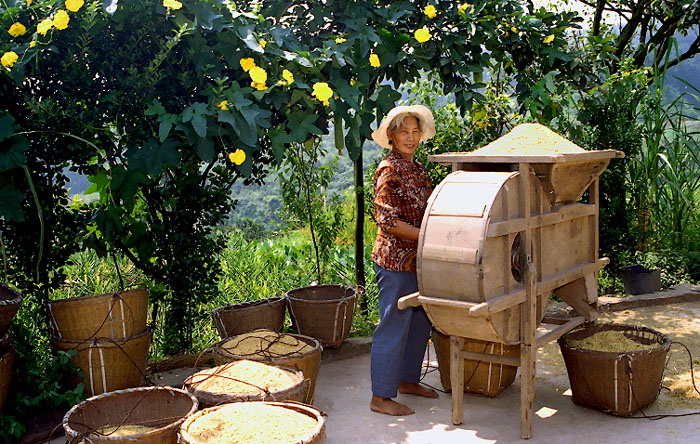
column 343, row 393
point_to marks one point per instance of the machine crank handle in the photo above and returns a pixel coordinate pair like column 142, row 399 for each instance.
column 410, row 300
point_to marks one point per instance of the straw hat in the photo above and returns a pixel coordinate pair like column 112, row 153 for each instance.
column 420, row 111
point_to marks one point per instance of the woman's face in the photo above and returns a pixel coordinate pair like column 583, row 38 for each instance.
column 406, row 137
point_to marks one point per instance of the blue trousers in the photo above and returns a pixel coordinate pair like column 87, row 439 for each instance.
column 400, row 339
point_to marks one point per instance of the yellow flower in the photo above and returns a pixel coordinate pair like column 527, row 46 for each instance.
column 374, row 60
column 262, row 43
column 74, row 5
column 340, row 40
column 288, row 76
column 463, row 7
column 17, row 29
column 32, row 43
column 514, row 29
column 172, row 4
column 61, row 19
column 44, row 26
column 281, row 82
column 259, row 86
column 223, row 105
column 322, row 92
column 8, row 59
column 549, row 38
column 237, row 157
column 326, row 103
column 29, row 2
column 353, row 82
column 422, row 35
column 430, row 11
column 247, row 64
column 258, row 74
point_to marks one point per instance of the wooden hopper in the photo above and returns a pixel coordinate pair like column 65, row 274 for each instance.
column 499, row 234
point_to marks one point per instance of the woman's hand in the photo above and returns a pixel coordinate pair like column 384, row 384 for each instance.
column 403, row 230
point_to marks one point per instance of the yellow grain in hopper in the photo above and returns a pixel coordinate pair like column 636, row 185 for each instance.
column 502, row 232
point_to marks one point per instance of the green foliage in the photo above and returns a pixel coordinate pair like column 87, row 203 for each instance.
column 39, row 380
column 608, row 120
column 301, row 178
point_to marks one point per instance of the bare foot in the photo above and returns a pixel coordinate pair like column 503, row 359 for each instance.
column 412, row 388
column 389, row 407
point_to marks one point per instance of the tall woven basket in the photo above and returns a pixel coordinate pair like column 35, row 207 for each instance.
column 9, row 304
column 7, row 362
column 617, row 383
column 307, row 362
column 162, row 408
column 111, row 315
column 482, row 378
column 109, row 364
column 324, row 312
column 317, row 436
column 237, row 319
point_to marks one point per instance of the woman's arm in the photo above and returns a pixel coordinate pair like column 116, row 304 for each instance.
column 403, row 230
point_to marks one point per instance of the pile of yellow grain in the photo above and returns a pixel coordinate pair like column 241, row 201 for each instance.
column 530, row 139
column 243, row 378
column 611, row 341
column 251, row 423
column 116, row 431
column 266, row 344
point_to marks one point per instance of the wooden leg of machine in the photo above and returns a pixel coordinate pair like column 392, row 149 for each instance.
column 528, row 356
column 457, row 378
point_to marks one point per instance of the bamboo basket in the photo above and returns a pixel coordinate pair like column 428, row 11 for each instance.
column 237, row 319
column 9, row 304
column 616, row 383
column 162, row 407
column 111, row 315
column 324, row 312
column 7, row 363
column 316, row 437
column 307, row 362
column 208, row 398
column 109, row 364
column 482, row 378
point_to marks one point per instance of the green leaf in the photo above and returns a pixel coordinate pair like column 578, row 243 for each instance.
column 205, row 149
column 7, row 126
column 152, row 158
column 156, row 108
column 196, row 113
column 280, row 139
column 11, row 203
column 12, row 152
column 302, row 124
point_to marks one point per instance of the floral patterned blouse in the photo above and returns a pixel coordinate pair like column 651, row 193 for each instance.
column 401, row 191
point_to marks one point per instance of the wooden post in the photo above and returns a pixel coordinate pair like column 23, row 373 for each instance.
column 457, row 378
column 528, row 313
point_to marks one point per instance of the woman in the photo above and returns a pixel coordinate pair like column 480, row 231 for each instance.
column 401, row 190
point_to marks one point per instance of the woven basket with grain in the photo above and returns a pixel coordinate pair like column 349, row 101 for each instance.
column 291, row 351
column 147, row 415
column 246, row 380
column 109, row 364
column 9, row 304
column 482, row 378
column 237, row 319
column 7, row 362
column 255, row 423
column 324, row 312
column 613, row 367
column 112, row 315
